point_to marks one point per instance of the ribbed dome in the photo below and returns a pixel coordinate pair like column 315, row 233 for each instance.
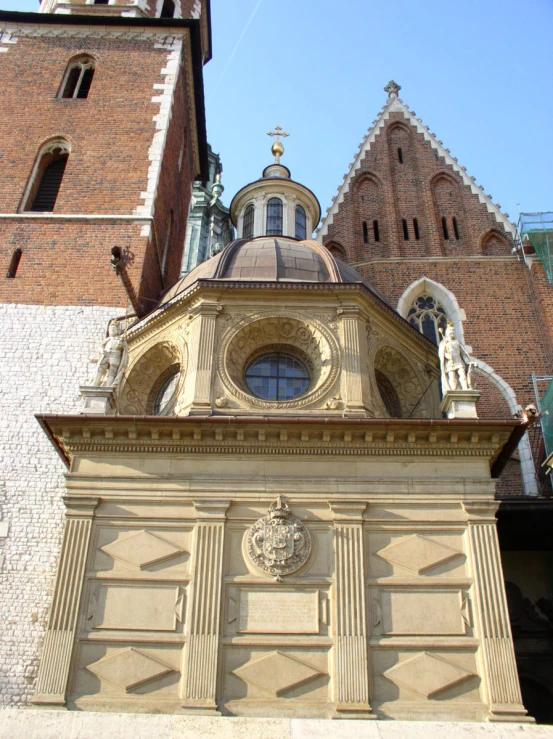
column 271, row 259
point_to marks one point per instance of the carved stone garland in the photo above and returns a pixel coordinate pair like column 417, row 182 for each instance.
column 278, row 544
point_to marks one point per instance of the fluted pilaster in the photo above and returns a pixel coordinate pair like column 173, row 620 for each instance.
column 500, row 677
column 53, row 673
column 355, row 384
column 201, row 360
column 205, row 608
column 351, row 670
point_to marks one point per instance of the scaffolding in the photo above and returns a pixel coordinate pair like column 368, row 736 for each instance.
column 536, row 234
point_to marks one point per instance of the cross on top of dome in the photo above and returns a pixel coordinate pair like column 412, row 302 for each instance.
column 277, row 149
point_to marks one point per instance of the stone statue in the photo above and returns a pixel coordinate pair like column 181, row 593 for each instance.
column 113, row 358
column 456, row 365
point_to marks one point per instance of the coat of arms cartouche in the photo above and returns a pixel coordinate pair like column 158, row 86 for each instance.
column 278, row 543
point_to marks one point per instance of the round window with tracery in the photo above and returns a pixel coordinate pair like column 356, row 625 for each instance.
column 428, row 317
column 277, row 376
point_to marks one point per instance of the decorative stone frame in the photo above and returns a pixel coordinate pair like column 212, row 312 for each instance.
column 454, row 312
column 147, row 374
column 85, row 60
column 294, row 333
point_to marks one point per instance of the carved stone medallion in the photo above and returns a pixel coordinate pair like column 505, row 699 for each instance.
column 278, row 543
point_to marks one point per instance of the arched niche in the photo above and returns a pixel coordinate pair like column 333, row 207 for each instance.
column 493, row 243
column 448, row 208
column 337, row 250
column 369, row 226
column 399, row 385
column 147, row 377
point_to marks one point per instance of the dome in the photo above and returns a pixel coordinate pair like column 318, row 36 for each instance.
column 271, row 259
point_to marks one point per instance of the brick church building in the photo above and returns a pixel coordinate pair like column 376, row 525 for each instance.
column 104, row 144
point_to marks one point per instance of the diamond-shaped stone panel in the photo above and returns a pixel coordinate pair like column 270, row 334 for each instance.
column 142, row 549
column 129, row 669
column 427, row 674
column 417, row 553
column 276, row 672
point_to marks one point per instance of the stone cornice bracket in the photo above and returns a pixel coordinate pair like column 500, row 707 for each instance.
column 211, row 510
column 347, row 511
column 481, row 511
column 53, row 674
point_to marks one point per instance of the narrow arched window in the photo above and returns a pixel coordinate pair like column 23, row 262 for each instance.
column 365, row 233
column 247, row 227
column 399, row 155
column 274, row 217
column 376, row 231
column 14, row 263
column 168, row 9
column 77, row 80
column 48, row 177
column 405, row 229
column 301, row 223
column 416, row 229
column 456, row 228
column 445, row 229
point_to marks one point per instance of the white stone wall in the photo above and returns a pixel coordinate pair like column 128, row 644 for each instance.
column 45, row 355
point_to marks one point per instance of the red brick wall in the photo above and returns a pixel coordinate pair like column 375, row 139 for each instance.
column 110, row 133
column 421, row 187
column 509, row 307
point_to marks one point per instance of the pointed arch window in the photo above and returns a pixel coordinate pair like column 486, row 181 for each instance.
column 47, row 177
column 77, row 79
column 274, row 217
column 428, row 316
column 247, row 227
column 301, row 222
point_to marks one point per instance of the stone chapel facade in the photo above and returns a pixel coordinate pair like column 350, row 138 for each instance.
column 268, row 516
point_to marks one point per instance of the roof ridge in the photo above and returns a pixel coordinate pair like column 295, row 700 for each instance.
column 396, row 105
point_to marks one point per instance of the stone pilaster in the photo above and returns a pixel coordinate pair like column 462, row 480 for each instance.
column 351, row 669
column 53, row 674
column 499, row 670
column 355, row 383
column 205, row 608
column 201, row 356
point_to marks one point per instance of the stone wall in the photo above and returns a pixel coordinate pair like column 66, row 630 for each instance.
column 45, row 353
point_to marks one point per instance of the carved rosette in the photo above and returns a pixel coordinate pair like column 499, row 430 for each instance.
column 278, row 544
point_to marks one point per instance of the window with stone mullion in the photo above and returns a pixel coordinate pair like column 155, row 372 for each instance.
column 428, row 317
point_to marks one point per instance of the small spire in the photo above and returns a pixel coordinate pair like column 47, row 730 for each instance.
column 277, row 149
column 392, row 88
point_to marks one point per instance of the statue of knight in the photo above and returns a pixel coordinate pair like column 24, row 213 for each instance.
column 456, row 365
column 113, row 358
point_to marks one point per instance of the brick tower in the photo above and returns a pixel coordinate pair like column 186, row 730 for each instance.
column 103, row 135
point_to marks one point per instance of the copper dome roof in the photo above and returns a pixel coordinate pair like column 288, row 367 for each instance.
column 271, row 259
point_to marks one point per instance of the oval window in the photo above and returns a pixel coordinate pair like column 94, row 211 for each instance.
column 166, row 394
column 277, row 376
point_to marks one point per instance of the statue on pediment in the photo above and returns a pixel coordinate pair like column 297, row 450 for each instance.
column 113, row 358
column 456, row 365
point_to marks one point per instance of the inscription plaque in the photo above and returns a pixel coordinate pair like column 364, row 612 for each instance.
column 266, row 612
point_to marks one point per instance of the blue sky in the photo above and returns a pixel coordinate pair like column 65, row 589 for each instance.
column 478, row 72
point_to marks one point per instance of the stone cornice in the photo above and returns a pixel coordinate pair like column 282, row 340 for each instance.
column 81, row 435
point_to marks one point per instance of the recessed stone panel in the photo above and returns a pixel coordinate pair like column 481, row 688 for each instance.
column 138, row 607
column 263, row 612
